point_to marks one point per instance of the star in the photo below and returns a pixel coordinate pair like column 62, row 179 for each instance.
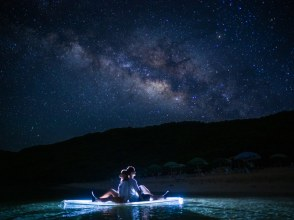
column 72, row 68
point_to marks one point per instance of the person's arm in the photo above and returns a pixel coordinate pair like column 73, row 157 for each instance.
column 136, row 187
column 124, row 191
column 119, row 186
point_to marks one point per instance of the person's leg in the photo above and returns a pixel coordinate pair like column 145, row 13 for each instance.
column 111, row 192
column 116, row 199
column 145, row 193
column 156, row 197
column 104, row 198
column 144, row 190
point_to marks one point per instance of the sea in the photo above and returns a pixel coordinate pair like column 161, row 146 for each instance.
column 193, row 207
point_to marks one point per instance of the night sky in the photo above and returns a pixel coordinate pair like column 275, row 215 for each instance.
column 70, row 67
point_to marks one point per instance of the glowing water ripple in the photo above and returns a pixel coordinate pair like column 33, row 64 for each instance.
column 242, row 208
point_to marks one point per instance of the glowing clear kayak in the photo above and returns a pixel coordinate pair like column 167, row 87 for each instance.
column 70, row 203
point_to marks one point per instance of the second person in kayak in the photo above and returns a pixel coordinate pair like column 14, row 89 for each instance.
column 139, row 193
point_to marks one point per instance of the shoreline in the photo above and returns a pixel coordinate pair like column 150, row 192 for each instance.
column 261, row 182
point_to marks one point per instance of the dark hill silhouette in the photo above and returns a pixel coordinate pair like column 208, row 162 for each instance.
column 101, row 155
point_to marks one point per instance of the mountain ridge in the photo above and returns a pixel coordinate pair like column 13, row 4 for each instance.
column 101, row 155
column 154, row 126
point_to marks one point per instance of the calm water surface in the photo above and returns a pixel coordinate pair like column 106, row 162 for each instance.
column 192, row 208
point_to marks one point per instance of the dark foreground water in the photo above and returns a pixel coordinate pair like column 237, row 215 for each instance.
column 192, row 208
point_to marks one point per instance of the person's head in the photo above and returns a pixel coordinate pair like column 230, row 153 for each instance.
column 131, row 171
column 123, row 175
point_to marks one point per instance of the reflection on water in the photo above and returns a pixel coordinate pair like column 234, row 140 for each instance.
column 242, row 208
column 149, row 211
column 193, row 208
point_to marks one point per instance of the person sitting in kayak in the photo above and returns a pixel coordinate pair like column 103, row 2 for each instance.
column 140, row 193
column 119, row 196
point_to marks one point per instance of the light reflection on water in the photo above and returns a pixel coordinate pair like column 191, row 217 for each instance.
column 242, row 208
column 193, row 208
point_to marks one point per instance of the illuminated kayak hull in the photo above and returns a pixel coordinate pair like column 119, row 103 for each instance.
column 173, row 200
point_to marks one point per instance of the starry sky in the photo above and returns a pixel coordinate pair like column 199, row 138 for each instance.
column 72, row 67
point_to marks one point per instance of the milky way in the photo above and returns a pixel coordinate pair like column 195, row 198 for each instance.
column 73, row 67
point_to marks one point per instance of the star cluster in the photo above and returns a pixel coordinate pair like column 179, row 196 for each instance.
column 73, row 67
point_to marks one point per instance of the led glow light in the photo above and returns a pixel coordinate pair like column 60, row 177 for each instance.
column 181, row 201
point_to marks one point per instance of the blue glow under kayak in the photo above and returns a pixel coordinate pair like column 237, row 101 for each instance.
column 173, row 200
